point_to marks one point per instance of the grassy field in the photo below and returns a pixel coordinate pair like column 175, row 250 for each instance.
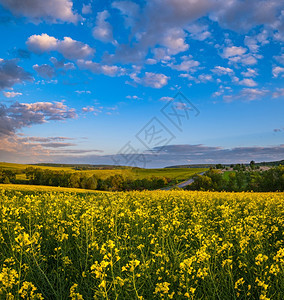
column 141, row 245
column 134, row 173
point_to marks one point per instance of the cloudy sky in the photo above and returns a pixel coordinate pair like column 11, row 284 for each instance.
column 146, row 83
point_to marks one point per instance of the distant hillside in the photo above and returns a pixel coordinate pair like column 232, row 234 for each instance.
column 82, row 166
column 191, row 166
column 269, row 164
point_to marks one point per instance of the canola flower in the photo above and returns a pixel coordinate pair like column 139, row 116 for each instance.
column 141, row 245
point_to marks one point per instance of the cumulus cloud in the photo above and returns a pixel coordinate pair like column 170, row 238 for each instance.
column 278, row 93
column 98, row 68
column 163, row 23
column 11, row 94
column 154, row 80
column 280, row 59
column 11, row 74
column 244, row 15
column 233, row 51
column 128, row 9
column 61, row 64
column 222, row 71
column 20, row 115
column 87, row 9
column 198, row 32
column 37, row 10
column 248, row 82
column 103, row 29
column 247, row 94
column 187, row 65
column 68, row 47
column 250, row 73
column 277, row 70
column 45, row 71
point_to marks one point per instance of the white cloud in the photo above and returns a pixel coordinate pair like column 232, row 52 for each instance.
column 205, row 77
column 154, row 80
column 82, row 92
column 166, row 99
column 250, row 73
column 222, row 71
column 174, row 41
column 44, row 70
column 278, row 93
column 68, row 47
column 87, row 9
column 247, row 94
column 248, row 82
column 128, row 9
column 198, row 32
column 187, row 65
column 280, row 58
column 277, row 70
column 101, row 69
column 233, row 51
column 103, row 30
column 11, row 94
column 36, row 10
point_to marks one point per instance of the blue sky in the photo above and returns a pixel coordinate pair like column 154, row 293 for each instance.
column 103, row 81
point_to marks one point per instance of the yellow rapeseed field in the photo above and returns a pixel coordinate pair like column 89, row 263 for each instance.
column 141, row 245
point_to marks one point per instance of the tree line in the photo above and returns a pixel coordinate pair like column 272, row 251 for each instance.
column 271, row 180
column 7, row 176
column 39, row 176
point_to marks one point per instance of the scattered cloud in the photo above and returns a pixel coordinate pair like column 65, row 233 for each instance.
column 103, row 30
column 98, row 68
column 37, row 10
column 128, row 9
column 247, row 94
column 250, row 73
column 68, row 47
column 248, row 82
column 45, row 71
column 277, row 70
column 166, row 99
column 233, row 51
column 202, row 153
column 198, row 32
column 61, row 64
column 278, row 93
column 82, row 92
column 187, row 65
column 154, row 80
column 280, row 58
column 222, row 71
column 87, row 9
column 133, row 97
column 11, row 74
column 20, row 115
column 11, row 94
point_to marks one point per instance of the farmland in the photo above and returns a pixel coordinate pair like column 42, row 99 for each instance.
column 140, row 245
column 179, row 174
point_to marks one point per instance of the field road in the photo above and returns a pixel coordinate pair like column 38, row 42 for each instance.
column 182, row 184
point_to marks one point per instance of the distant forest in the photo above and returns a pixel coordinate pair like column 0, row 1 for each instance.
column 47, row 177
column 241, row 179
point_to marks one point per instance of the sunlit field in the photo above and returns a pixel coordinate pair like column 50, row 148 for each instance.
column 179, row 174
column 141, row 245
